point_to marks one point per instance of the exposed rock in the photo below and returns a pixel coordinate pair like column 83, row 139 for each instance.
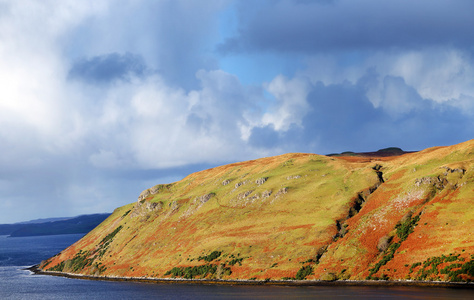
column 457, row 170
column 226, row 182
column 266, row 194
column 261, row 181
column 156, row 189
column 293, row 177
column 204, row 198
column 151, row 206
column 341, row 230
column 152, row 191
column 379, row 173
column 282, row 191
column 174, row 205
column 439, row 182
column 238, row 184
column 144, row 208
column 143, row 195
column 255, row 197
column 423, row 180
column 244, row 195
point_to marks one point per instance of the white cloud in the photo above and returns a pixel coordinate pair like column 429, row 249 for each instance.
column 291, row 105
column 440, row 74
column 33, row 105
column 148, row 124
column 398, row 98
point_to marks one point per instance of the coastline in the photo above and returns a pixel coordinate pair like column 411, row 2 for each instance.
column 381, row 283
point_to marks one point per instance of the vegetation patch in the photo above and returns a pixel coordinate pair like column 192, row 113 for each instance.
column 456, row 268
column 236, row 260
column 192, row 272
column 304, row 272
column 207, row 270
column 105, row 242
column 108, row 238
column 58, row 268
column 390, row 252
column 81, row 260
column 85, row 259
column 202, row 271
column 404, row 228
column 210, row 257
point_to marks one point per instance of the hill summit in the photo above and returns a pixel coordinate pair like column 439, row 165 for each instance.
column 295, row 217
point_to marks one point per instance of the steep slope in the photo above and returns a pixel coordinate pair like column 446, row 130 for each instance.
column 295, row 216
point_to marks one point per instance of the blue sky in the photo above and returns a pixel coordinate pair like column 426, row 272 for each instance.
column 102, row 99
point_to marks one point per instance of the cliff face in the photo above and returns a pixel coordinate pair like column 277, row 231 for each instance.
column 298, row 216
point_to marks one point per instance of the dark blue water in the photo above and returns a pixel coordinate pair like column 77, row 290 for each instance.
column 15, row 283
column 27, row 251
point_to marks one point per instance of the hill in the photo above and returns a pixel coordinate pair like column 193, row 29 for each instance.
column 294, row 217
column 391, row 151
column 52, row 226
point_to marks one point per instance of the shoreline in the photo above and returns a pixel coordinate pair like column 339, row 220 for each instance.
column 381, row 283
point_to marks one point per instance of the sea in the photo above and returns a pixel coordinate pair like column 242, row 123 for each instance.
column 18, row 253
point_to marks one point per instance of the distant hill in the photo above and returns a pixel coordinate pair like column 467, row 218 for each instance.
column 6, row 229
column 386, row 152
column 296, row 217
column 52, row 226
column 44, row 220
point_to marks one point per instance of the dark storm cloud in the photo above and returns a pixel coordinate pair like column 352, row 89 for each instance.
column 264, row 137
column 108, row 68
column 304, row 26
column 341, row 115
column 173, row 36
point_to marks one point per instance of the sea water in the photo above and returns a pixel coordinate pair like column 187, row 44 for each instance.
column 17, row 283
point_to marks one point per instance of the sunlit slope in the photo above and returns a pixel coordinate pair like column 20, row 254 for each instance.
column 295, row 216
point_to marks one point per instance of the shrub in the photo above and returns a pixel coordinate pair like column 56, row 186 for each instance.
column 210, row 257
column 108, row 238
column 58, row 268
column 191, row 272
column 235, row 261
column 452, row 272
column 387, row 257
column 406, row 226
column 304, row 272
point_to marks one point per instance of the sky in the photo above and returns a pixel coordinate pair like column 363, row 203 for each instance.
column 101, row 99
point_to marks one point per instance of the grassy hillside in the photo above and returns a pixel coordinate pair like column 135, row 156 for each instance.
column 296, row 216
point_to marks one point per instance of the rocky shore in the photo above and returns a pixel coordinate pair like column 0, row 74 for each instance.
column 465, row 285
